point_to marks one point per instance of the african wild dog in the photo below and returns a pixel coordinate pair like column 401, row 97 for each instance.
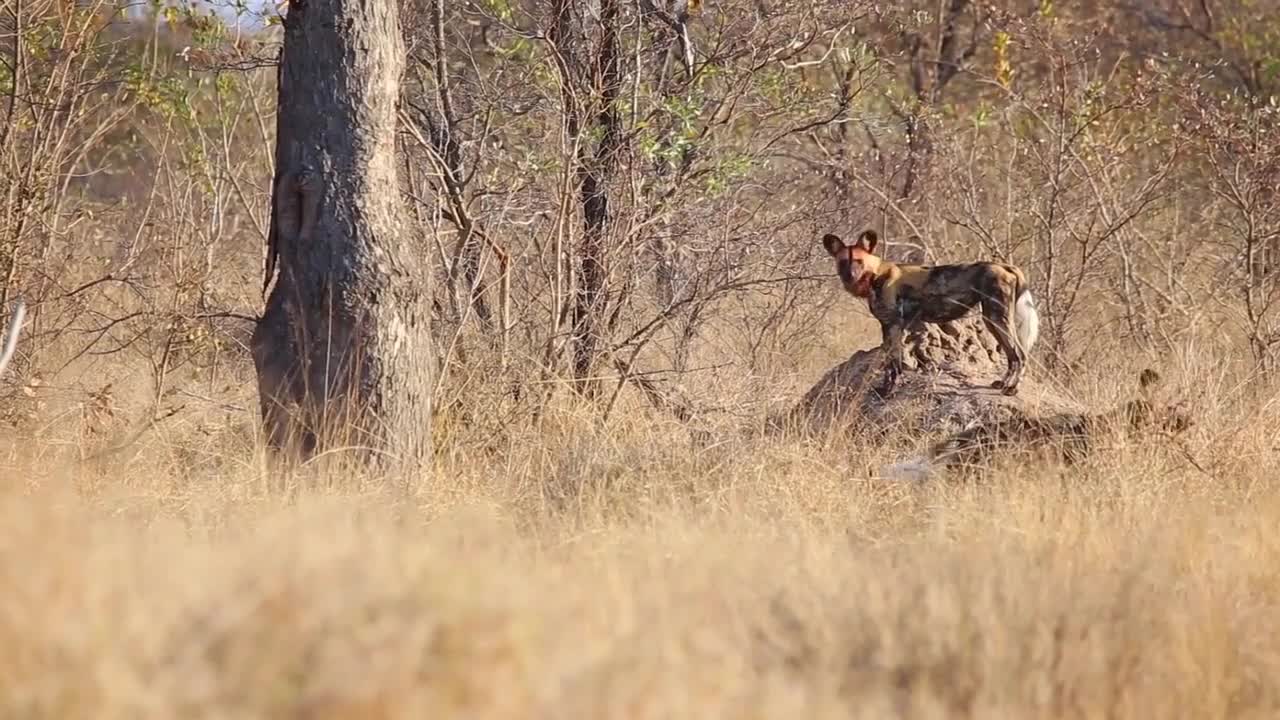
column 1069, row 436
column 902, row 296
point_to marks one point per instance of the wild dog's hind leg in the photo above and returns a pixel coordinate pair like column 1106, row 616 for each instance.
column 997, row 315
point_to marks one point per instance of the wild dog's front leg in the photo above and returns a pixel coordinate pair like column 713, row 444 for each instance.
column 891, row 335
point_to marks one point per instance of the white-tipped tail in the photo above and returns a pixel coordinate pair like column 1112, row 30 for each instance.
column 1026, row 321
column 916, row 469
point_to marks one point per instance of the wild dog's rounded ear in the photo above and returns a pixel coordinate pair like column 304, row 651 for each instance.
column 1148, row 378
column 1177, row 420
column 868, row 240
column 833, row 243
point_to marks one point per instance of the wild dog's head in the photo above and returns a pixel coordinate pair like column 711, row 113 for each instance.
column 1144, row 412
column 856, row 264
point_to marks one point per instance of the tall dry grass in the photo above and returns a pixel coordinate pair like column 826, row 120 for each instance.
column 617, row 571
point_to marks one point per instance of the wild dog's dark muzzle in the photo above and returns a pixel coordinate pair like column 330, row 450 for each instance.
column 844, row 268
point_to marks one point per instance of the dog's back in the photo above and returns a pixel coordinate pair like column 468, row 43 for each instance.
column 1064, row 434
column 1068, row 437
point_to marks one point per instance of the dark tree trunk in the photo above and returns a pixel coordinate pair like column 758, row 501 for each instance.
column 594, row 168
column 932, row 68
column 343, row 350
column 444, row 135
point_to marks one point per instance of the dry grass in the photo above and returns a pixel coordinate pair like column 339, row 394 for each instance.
column 615, row 572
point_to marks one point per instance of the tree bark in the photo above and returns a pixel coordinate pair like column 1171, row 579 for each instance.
column 932, row 68
column 343, row 350
column 594, row 170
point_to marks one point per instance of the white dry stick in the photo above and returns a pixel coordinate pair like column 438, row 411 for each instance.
column 11, row 334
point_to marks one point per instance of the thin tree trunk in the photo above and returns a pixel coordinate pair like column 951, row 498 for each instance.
column 450, row 151
column 595, row 168
column 343, row 350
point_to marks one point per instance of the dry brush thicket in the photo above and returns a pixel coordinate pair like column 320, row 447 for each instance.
column 621, row 204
